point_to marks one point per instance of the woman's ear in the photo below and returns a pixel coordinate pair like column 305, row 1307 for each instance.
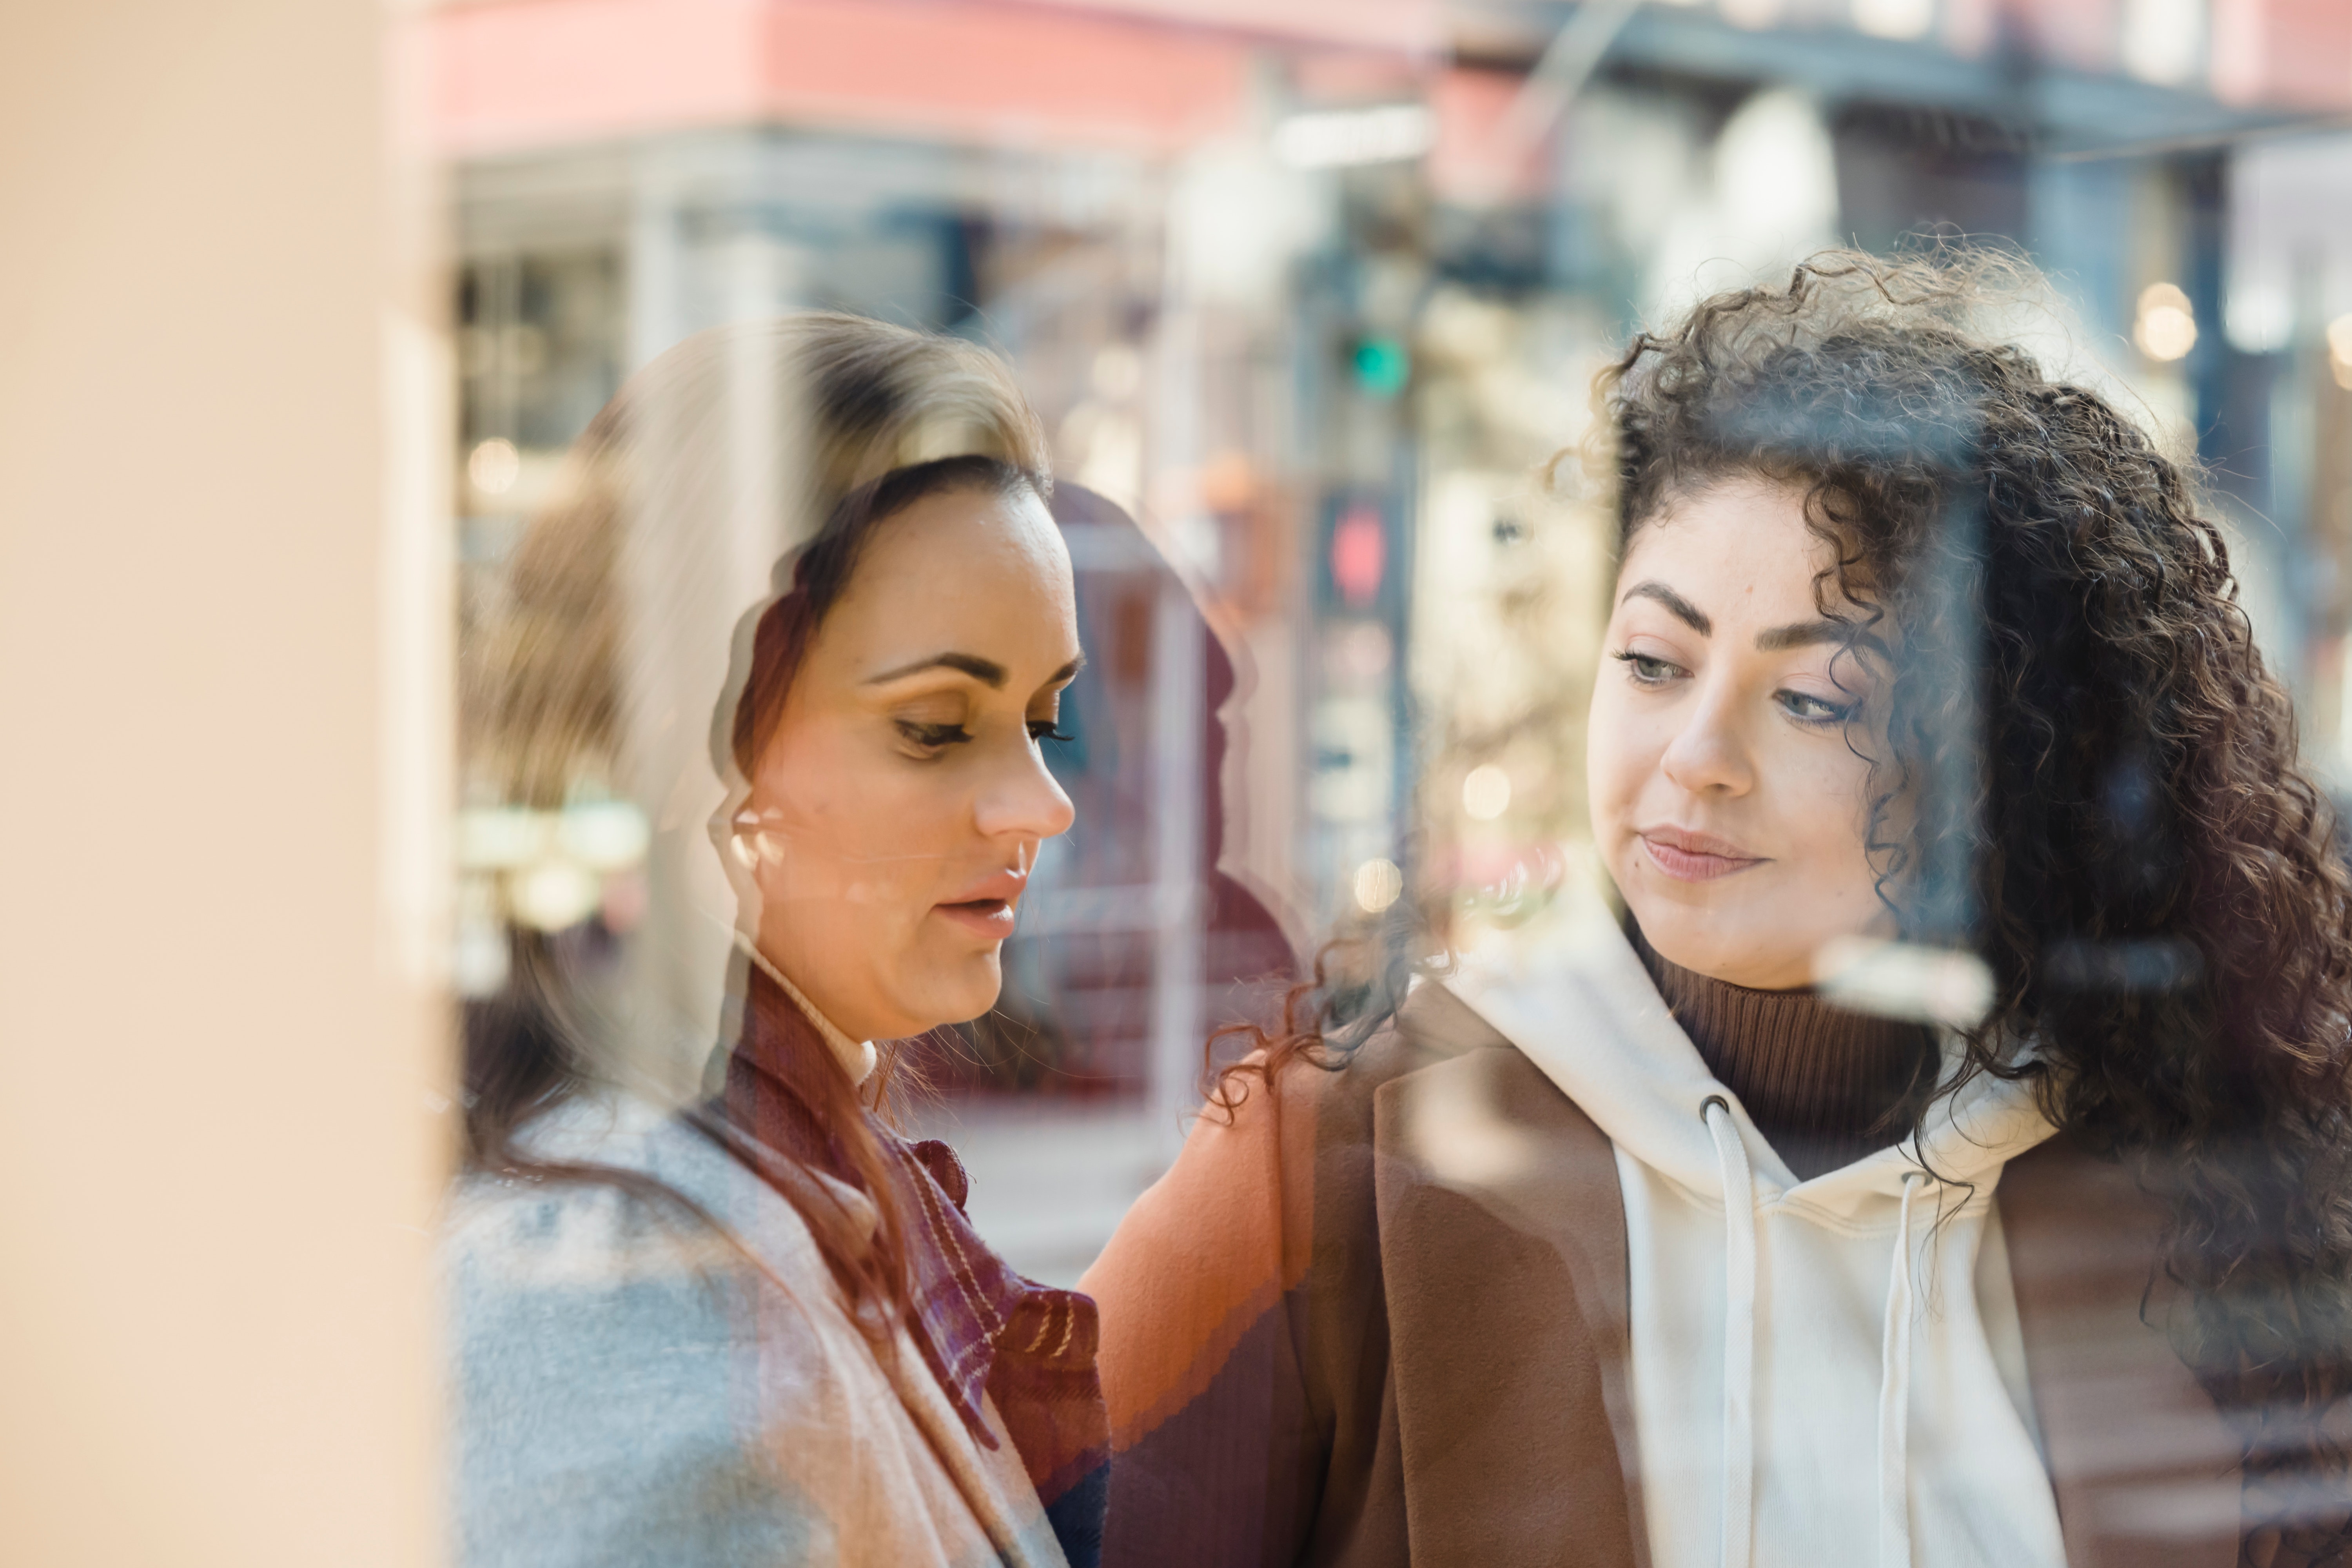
column 736, row 836
column 742, row 843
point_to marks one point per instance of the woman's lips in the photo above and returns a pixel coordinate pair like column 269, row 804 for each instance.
column 986, row 908
column 1694, row 856
column 988, row 918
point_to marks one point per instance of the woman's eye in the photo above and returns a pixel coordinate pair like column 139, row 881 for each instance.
column 1646, row 670
column 1042, row 729
column 934, row 737
column 1809, row 710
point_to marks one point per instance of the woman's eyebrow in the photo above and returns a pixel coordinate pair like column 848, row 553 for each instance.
column 1690, row 615
column 987, row 671
column 1800, row 633
column 1811, row 634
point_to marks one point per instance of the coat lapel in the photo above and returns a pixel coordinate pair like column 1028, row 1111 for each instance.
column 1503, row 1256
column 2146, row 1471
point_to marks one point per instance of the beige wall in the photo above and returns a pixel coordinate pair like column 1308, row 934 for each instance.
column 217, row 1152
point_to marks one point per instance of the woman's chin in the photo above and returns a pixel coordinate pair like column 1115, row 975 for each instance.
column 958, row 988
column 1758, row 961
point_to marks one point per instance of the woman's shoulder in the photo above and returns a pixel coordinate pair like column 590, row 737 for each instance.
column 612, row 1358
column 1285, row 1150
column 613, row 1193
column 1430, row 1027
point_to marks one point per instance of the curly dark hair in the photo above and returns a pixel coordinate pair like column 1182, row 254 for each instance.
column 2083, row 772
column 2100, row 778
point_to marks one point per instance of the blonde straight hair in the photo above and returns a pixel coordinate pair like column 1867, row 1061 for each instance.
column 744, row 467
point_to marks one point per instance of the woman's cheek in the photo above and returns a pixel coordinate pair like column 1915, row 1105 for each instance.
column 1842, row 884
column 1608, row 766
column 1632, row 776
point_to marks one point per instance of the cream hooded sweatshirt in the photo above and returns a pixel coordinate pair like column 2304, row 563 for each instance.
column 1826, row 1373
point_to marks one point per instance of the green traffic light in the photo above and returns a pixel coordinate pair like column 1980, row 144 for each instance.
column 1383, row 366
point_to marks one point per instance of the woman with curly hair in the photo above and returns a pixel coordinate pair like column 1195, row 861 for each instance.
column 1624, row 1243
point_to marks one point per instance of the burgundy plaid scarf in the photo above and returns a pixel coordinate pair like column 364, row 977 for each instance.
column 981, row 1327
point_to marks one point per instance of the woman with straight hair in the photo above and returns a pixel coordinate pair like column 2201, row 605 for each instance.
column 1620, row 1242
column 758, row 1328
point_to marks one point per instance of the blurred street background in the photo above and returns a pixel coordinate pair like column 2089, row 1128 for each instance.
column 301, row 302
column 1311, row 289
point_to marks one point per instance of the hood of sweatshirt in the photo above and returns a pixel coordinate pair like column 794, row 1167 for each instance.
column 1642, row 1082
column 1779, row 1326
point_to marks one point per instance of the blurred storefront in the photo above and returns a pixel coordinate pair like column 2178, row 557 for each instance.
column 1315, row 289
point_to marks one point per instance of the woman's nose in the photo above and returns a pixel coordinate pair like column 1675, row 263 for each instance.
column 1709, row 753
column 1024, row 800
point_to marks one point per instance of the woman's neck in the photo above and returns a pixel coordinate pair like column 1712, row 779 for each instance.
column 1824, row 1085
column 856, row 1057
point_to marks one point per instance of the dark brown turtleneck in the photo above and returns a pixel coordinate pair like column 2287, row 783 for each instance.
column 1824, row 1085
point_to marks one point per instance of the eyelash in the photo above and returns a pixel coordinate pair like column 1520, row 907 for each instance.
column 939, row 737
column 1833, row 715
column 935, row 737
column 1634, row 663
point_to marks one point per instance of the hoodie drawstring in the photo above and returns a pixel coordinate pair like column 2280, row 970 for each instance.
column 1895, row 1399
column 1739, row 1359
column 1738, row 1332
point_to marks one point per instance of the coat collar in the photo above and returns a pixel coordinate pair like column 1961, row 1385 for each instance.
column 1489, row 1121
column 1572, row 994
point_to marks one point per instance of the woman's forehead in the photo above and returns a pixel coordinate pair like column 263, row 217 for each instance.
column 984, row 575
column 1747, row 549
column 945, row 536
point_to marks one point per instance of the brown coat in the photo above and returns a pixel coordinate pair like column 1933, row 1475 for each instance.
column 1330, row 1338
